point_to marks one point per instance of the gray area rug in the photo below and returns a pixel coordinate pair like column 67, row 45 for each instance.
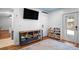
column 50, row 44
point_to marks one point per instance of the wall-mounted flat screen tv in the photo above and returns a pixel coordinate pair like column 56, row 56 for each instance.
column 30, row 14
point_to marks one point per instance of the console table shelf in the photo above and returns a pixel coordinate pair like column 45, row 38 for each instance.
column 29, row 36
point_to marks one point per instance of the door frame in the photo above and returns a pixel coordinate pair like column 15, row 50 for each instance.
column 63, row 26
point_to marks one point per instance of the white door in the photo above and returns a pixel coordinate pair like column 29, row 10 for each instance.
column 70, row 26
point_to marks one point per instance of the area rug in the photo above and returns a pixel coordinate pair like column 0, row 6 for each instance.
column 50, row 44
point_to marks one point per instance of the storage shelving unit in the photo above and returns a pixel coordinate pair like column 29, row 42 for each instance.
column 54, row 33
column 30, row 36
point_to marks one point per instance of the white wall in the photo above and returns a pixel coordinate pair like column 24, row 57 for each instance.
column 5, row 23
column 55, row 19
column 20, row 24
column 43, row 20
column 5, row 19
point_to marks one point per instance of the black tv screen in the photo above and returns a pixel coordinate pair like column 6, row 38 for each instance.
column 30, row 14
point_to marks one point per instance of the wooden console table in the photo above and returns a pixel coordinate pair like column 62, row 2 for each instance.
column 26, row 37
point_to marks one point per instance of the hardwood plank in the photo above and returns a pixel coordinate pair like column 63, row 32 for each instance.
column 4, row 34
column 14, row 47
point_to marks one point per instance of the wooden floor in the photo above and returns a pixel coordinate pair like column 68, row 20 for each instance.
column 4, row 34
column 14, row 47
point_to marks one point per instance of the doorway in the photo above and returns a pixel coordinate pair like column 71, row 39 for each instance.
column 5, row 27
column 70, row 26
